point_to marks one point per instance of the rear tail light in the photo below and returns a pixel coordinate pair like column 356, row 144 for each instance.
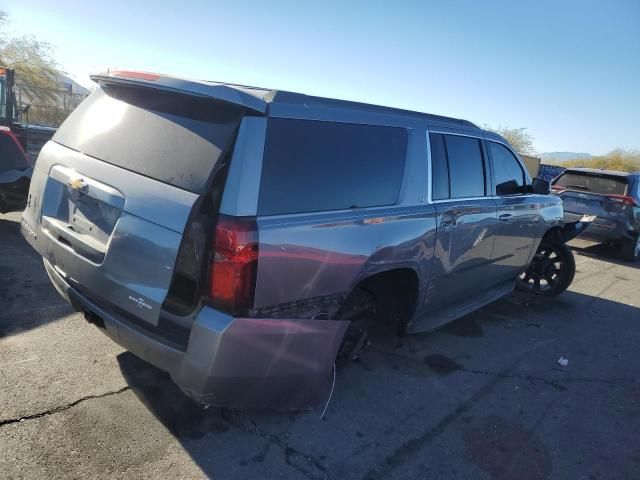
column 234, row 264
column 624, row 199
column 557, row 189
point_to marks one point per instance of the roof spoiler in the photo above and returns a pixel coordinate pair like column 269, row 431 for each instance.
column 220, row 92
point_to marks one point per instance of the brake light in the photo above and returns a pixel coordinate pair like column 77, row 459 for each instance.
column 234, row 263
column 138, row 75
column 557, row 189
column 624, row 199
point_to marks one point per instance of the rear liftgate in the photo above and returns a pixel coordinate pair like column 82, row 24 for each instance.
column 113, row 192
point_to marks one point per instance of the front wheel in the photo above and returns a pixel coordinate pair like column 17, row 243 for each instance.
column 551, row 271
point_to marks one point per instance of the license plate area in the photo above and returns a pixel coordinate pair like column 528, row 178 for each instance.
column 80, row 213
column 139, row 256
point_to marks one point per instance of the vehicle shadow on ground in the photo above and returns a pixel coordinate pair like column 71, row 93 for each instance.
column 392, row 382
column 604, row 252
column 183, row 417
column 27, row 297
column 10, row 238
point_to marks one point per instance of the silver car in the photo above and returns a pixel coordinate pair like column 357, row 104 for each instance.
column 241, row 238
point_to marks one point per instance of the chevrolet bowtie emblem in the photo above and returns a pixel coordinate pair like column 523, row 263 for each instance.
column 78, row 184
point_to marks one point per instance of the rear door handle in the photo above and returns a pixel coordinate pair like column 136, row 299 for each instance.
column 505, row 217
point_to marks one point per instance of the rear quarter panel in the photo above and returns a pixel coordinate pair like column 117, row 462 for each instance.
column 328, row 254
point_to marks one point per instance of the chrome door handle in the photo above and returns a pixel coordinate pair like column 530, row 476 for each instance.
column 505, row 217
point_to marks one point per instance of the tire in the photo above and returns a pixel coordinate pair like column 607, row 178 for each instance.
column 551, row 271
column 631, row 250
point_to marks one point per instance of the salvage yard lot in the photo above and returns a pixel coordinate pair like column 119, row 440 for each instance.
column 483, row 397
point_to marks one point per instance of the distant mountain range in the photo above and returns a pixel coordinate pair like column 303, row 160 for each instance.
column 563, row 156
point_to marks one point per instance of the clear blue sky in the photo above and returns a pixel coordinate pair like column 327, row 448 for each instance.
column 569, row 71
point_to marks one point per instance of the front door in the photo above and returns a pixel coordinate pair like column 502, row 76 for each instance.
column 520, row 223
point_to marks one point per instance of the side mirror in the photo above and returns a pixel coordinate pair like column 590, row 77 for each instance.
column 510, row 187
column 541, row 186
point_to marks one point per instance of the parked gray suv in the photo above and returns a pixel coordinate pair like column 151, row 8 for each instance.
column 237, row 237
column 613, row 197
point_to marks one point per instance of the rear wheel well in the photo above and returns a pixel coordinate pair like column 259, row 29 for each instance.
column 379, row 308
column 394, row 293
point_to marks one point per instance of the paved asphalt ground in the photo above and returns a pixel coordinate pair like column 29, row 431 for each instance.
column 481, row 398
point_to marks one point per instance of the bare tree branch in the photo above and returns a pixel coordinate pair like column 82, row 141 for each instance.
column 38, row 75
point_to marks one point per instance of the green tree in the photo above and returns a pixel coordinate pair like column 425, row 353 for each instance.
column 518, row 138
column 37, row 74
column 618, row 159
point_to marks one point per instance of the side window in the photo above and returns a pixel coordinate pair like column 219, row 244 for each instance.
column 439, row 167
column 507, row 169
column 466, row 166
column 311, row 166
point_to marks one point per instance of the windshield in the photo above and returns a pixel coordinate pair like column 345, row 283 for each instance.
column 588, row 182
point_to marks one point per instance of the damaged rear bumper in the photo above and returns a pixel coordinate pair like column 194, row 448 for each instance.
column 572, row 229
column 238, row 362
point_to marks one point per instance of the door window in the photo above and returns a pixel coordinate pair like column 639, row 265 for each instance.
column 507, row 170
column 457, row 167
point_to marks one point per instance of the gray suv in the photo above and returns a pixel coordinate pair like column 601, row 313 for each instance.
column 237, row 237
column 613, row 197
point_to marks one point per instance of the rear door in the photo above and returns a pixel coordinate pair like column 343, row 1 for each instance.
column 466, row 219
column 519, row 214
column 113, row 191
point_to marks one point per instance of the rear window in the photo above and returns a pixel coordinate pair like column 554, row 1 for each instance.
column 586, row 182
column 312, row 166
column 176, row 139
column 11, row 157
